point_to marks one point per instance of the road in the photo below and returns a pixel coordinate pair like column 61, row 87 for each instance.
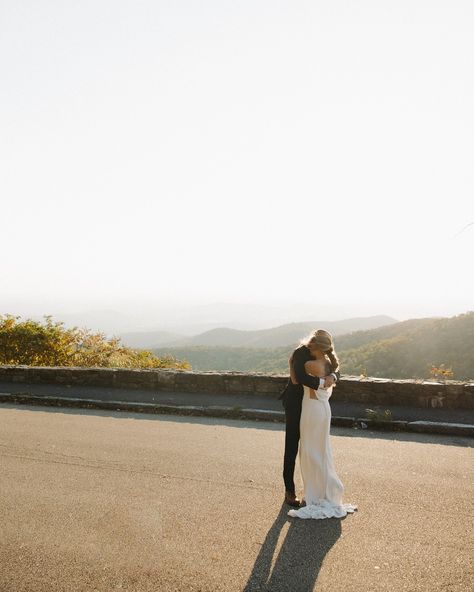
column 95, row 500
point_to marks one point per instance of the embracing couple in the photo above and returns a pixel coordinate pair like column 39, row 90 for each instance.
column 314, row 369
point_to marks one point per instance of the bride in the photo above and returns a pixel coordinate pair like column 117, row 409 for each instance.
column 323, row 490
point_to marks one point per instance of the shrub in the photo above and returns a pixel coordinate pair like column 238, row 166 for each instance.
column 33, row 343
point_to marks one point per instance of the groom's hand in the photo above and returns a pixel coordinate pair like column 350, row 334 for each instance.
column 328, row 381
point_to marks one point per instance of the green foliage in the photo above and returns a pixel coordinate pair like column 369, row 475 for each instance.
column 413, row 350
column 403, row 350
column 32, row 343
column 377, row 415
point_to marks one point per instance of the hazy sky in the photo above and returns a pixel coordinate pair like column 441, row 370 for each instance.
column 266, row 151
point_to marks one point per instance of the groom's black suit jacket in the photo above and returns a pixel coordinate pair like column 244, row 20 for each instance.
column 300, row 356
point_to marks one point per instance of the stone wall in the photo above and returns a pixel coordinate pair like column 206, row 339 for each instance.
column 375, row 391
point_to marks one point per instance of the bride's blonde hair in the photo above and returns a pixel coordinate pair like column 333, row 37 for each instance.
column 323, row 340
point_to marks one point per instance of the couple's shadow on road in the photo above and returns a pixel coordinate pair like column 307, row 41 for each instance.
column 300, row 557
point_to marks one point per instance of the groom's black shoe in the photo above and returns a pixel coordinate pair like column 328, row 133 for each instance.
column 291, row 499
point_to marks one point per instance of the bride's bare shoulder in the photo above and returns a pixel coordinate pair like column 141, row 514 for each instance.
column 315, row 368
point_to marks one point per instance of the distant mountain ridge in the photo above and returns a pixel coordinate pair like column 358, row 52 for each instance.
column 401, row 350
column 149, row 339
column 282, row 335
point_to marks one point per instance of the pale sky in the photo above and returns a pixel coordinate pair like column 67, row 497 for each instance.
column 244, row 151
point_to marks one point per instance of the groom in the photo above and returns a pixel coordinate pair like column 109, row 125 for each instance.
column 292, row 398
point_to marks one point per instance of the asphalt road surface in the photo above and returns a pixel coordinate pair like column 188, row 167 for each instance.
column 94, row 500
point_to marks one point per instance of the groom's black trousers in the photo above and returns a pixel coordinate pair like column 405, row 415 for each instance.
column 292, row 403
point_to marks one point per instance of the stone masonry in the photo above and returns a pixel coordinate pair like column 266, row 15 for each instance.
column 374, row 391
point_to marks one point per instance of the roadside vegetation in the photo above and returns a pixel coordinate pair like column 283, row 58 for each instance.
column 49, row 343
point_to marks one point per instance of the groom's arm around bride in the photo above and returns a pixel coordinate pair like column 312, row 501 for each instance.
column 299, row 376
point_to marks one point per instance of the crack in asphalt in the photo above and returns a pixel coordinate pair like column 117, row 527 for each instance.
column 140, row 471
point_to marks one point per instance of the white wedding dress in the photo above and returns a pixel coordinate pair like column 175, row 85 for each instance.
column 323, row 490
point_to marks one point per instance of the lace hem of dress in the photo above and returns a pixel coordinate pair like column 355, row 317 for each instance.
column 323, row 509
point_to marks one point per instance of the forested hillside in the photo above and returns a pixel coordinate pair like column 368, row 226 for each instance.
column 401, row 350
column 410, row 351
